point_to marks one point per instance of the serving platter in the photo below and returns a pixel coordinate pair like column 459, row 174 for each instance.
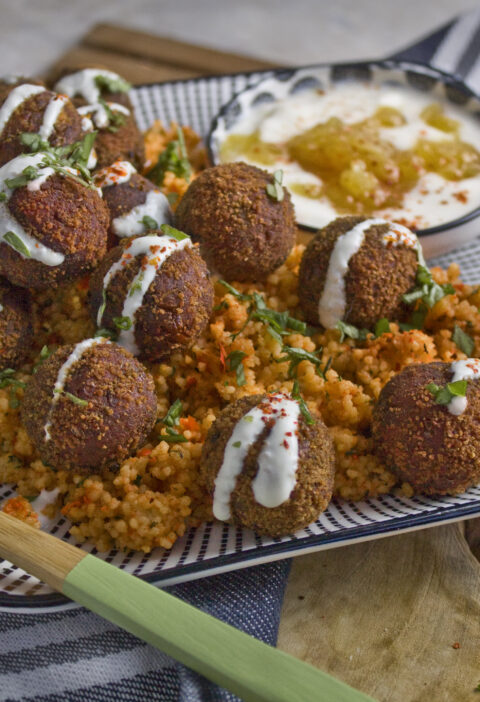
column 215, row 548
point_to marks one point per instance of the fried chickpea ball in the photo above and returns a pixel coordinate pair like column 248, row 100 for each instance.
column 244, row 233
column 248, row 426
column 427, row 444
column 16, row 324
column 89, row 406
column 356, row 270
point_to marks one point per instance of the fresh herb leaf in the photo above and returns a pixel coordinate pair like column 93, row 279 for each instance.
column 44, row 354
column 174, row 233
column 173, row 415
column 464, row 342
column 351, row 331
column 427, row 290
column 149, row 223
column 124, row 323
column 444, row 394
column 115, row 119
column 275, row 190
column 296, row 356
column 112, row 85
column 173, row 159
column 106, row 334
column 236, row 293
column 7, row 380
column 302, row 404
column 137, row 480
column 234, row 363
column 382, row 327
column 76, row 400
column 137, row 285
column 16, row 243
column 237, row 444
column 3, row 197
column 173, row 437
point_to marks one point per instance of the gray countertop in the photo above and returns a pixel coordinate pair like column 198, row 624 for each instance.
column 33, row 33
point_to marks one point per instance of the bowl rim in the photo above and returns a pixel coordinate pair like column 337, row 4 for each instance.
column 418, row 67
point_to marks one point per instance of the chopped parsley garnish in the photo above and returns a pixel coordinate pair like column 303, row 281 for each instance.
column 428, row 292
column 76, row 400
column 3, row 197
column 237, row 444
column 302, row 404
column 7, row 380
column 137, row 285
column 234, row 363
column 29, row 173
column 351, row 331
column 149, row 223
column 61, row 158
column 275, row 190
column 16, row 243
column 112, row 85
column 171, row 420
column 115, row 119
column 382, row 327
column 464, row 342
column 124, row 323
column 444, row 394
column 173, row 159
column 248, row 418
column 173, row 233
column 101, row 310
column 44, row 354
column 296, row 356
column 278, row 323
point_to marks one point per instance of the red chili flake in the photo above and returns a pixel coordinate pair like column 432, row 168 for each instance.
column 286, row 444
column 288, row 433
column 190, row 382
column 223, row 358
column 456, row 645
column 461, row 196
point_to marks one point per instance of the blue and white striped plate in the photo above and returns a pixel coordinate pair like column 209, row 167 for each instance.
column 215, row 548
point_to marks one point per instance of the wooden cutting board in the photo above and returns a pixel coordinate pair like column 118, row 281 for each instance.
column 400, row 617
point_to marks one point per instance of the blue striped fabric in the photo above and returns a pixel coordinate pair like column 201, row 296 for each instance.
column 75, row 656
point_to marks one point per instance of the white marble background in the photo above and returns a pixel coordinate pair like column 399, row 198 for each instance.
column 33, row 33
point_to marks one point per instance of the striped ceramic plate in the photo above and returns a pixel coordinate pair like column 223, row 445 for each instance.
column 214, row 548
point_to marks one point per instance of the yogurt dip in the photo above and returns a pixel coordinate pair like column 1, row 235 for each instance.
column 267, row 135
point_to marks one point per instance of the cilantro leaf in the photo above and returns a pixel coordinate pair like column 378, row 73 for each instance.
column 302, row 404
column 464, row 342
column 234, row 363
column 173, row 159
column 351, row 331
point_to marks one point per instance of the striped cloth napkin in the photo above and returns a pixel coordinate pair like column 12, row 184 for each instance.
column 75, row 656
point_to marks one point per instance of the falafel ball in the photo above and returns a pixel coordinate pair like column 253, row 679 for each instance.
column 54, row 228
column 89, row 406
column 31, row 108
column 135, row 204
column 155, row 292
column 356, row 270
column 244, row 233
column 423, row 442
column 256, row 477
column 16, row 328
column 101, row 98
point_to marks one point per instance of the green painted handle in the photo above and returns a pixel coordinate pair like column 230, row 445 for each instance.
column 238, row 662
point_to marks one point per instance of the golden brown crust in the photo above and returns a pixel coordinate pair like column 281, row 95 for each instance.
column 315, row 473
column 243, row 233
column 120, row 414
column 28, row 117
column 67, row 217
column 433, row 450
column 176, row 307
column 376, row 279
column 16, row 325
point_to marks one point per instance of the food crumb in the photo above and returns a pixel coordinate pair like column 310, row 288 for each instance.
column 456, row 645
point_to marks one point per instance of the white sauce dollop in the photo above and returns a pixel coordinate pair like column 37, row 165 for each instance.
column 15, row 98
column 8, row 223
column 155, row 206
column 156, row 250
column 98, row 115
column 83, row 83
column 469, row 369
column 277, row 461
column 62, row 375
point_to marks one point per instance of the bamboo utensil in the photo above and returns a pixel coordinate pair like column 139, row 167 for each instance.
column 249, row 668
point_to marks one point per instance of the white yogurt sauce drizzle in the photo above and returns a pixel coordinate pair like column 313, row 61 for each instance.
column 277, row 461
column 51, row 114
column 98, row 115
column 12, row 169
column 116, row 174
column 156, row 250
column 15, row 98
column 83, row 84
column 155, row 206
column 332, row 303
column 62, row 376
column 469, row 369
